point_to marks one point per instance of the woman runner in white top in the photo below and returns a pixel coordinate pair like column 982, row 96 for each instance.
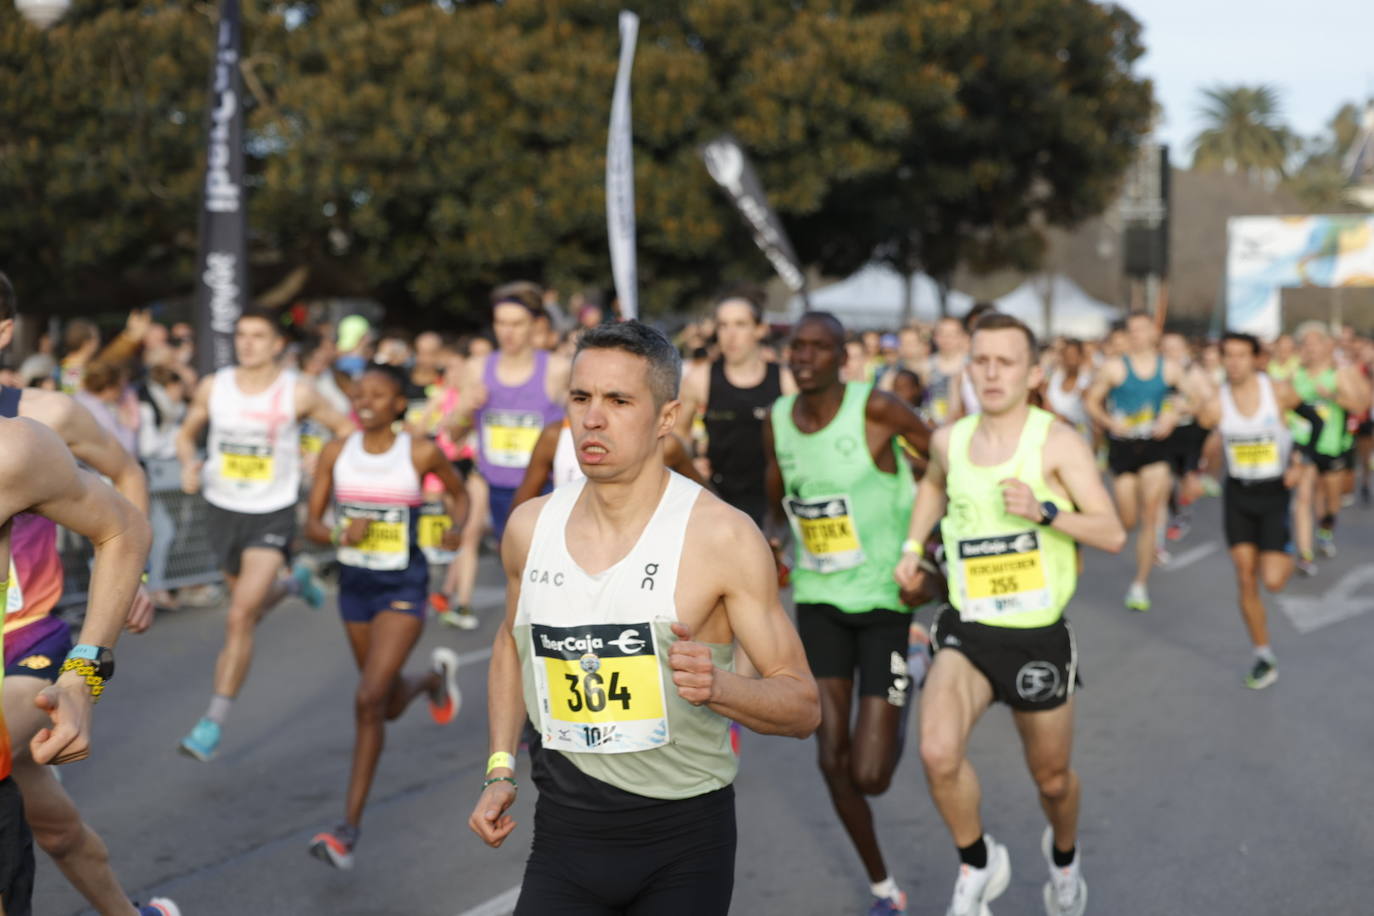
column 373, row 479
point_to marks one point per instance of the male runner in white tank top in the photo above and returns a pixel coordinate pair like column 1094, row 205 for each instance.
column 252, row 482
column 620, row 622
column 1261, row 468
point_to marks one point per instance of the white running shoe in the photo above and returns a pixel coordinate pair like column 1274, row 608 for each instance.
column 444, row 709
column 1137, row 598
column 1066, row 894
column 976, row 887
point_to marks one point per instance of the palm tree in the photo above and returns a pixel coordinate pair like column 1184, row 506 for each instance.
column 1244, row 133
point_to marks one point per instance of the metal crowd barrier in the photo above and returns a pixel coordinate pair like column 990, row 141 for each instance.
column 181, row 554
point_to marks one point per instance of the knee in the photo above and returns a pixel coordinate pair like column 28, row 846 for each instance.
column 833, row 759
column 1274, row 581
column 940, row 757
column 241, row 621
column 369, row 704
column 60, row 838
column 1054, row 784
column 872, row 779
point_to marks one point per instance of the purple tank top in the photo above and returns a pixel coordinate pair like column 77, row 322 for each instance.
column 509, row 424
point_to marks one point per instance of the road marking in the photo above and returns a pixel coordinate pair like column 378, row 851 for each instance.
column 1191, row 556
column 500, row 905
column 1309, row 613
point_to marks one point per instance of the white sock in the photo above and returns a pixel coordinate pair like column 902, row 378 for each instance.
column 219, row 708
column 1265, row 653
column 886, row 889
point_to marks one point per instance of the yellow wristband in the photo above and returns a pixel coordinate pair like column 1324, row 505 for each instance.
column 911, row 545
column 84, row 669
column 500, row 759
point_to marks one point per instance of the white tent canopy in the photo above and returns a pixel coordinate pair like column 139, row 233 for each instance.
column 872, row 299
column 1072, row 312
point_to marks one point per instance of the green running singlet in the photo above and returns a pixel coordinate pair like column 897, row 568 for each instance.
column 1005, row 571
column 848, row 518
column 1335, row 438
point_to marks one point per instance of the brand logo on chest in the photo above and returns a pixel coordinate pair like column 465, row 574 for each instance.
column 545, row 577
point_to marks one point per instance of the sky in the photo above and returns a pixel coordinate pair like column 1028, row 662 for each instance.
column 1319, row 54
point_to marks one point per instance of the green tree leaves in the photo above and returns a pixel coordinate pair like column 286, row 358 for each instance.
column 422, row 152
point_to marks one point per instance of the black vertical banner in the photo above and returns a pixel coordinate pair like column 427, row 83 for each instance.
column 222, row 264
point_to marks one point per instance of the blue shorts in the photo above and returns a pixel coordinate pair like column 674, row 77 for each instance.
column 38, row 649
column 363, row 593
column 499, row 501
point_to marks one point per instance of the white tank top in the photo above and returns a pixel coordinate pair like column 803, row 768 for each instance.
column 565, row 466
column 598, row 645
column 1068, row 404
column 253, row 461
column 1257, row 447
column 385, row 490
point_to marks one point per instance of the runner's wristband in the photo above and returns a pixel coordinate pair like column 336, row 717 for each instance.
column 336, row 534
column 911, row 545
column 500, row 759
column 492, row 779
column 94, row 682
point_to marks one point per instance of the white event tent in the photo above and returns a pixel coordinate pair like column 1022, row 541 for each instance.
column 872, row 299
column 1073, row 312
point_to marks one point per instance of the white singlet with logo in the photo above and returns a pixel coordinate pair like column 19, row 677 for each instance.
column 253, row 458
column 598, row 644
column 1257, row 446
column 385, row 490
column 565, row 466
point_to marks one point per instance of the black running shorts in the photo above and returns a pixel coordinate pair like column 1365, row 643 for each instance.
column 874, row 643
column 231, row 533
column 1033, row 669
column 1185, row 447
column 1332, row 464
column 16, row 853
column 1128, row 456
column 1257, row 513
column 671, row 859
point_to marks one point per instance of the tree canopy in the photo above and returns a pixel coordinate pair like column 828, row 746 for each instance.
column 421, row 152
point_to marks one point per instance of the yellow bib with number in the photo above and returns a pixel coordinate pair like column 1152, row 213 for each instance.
column 1253, row 457
column 245, row 462
column 600, row 687
column 509, row 436
column 1002, row 575
column 825, row 529
column 431, row 527
column 386, row 546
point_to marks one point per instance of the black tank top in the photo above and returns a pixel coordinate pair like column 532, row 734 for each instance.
column 734, row 428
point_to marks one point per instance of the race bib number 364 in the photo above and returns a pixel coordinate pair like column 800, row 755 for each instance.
column 600, row 687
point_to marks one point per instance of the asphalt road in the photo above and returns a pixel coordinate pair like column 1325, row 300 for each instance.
column 1200, row 796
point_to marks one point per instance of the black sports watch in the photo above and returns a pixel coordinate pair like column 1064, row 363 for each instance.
column 1048, row 512
column 100, row 656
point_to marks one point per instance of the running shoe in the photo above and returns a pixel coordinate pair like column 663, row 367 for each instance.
column 1210, row 486
column 1137, row 598
column 158, row 906
column 203, row 741
column 443, row 707
column 977, row 887
column 886, row 906
column 1262, row 673
column 1326, row 542
column 308, row 585
column 1305, row 566
column 335, row 846
column 1178, row 528
column 1066, row 894
column 438, row 601
column 463, row 618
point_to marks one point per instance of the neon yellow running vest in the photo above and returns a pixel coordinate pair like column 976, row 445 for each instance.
column 1004, row 570
column 848, row 518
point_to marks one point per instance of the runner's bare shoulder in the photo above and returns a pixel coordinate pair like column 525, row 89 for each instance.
column 723, row 534
column 515, row 543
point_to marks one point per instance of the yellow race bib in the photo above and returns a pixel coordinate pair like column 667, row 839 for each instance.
column 386, row 546
column 1003, row 574
column 238, row 461
column 1253, row 457
column 600, row 687
column 509, row 436
column 824, row 528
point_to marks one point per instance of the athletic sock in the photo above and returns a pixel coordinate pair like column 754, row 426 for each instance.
column 975, row 854
column 1328, row 522
column 1265, row 653
column 886, row 889
column 1063, row 859
column 219, row 708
